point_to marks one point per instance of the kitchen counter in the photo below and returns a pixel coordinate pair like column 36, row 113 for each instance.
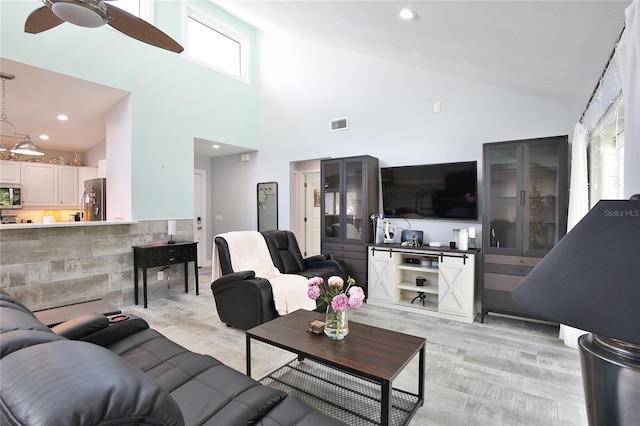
column 6, row 226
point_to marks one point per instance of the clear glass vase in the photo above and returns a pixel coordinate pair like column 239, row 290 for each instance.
column 336, row 324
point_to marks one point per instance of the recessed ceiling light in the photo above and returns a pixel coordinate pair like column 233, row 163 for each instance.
column 62, row 117
column 407, row 14
column 44, row 137
column 215, row 146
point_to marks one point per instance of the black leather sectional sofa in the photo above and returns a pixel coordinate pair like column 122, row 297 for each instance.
column 93, row 371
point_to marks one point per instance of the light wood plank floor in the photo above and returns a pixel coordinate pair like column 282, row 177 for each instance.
column 503, row 372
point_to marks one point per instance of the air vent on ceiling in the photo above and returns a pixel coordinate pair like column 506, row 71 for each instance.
column 338, row 124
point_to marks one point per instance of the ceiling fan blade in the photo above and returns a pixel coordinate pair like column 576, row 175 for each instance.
column 140, row 29
column 40, row 20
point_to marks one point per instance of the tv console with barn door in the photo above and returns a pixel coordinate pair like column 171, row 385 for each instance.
column 164, row 254
column 436, row 281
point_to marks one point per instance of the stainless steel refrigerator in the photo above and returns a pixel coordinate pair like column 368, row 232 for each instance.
column 94, row 200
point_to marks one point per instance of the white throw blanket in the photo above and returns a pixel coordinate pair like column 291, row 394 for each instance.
column 249, row 252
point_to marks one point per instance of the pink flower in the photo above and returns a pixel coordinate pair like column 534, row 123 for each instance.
column 355, row 302
column 356, row 291
column 335, row 283
column 315, row 281
column 313, row 292
column 356, row 297
column 340, row 303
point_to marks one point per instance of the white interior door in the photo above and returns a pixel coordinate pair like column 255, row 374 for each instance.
column 199, row 214
column 312, row 214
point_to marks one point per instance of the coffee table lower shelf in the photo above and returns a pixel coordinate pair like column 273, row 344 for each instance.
column 352, row 399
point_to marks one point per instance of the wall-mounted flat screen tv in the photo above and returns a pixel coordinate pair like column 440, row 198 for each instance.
column 431, row 191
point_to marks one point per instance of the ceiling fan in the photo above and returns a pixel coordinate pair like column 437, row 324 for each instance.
column 95, row 13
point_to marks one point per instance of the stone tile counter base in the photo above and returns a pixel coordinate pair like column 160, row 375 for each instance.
column 48, row 266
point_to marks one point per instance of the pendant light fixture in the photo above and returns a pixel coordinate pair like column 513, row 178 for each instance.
column 25, row 146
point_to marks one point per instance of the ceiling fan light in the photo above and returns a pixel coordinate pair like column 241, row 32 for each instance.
column 26, row 147
column 84, row 13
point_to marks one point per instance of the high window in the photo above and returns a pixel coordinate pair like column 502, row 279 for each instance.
column 140, row 8
column 216, row 45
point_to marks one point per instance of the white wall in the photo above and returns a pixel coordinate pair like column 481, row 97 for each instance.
column 119, row 161
column 234, row 194
column 95, row 153
column 390, row 108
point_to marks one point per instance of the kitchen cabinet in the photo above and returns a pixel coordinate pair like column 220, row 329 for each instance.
column 40, row 184
column 350, row 197
column 68, row 186
column 50, row 185
column 448, row 289
column 9, row 172
column 524, row 214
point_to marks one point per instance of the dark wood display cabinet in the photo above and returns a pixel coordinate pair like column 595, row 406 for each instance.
column 524, row 214
column 350, row 198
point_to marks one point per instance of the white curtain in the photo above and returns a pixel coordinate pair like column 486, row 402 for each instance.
column 579, row 184
column 578, row 206
column 628, row 57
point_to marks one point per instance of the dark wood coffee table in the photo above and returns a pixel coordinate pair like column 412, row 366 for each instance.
column 371, row 353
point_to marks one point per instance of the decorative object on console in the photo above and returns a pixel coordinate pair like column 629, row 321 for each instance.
column 589, row 280
column 412, row 238
column 463, row 240
column 338, row 299
column 389, row 232
column 472, row 237
column 171, row 231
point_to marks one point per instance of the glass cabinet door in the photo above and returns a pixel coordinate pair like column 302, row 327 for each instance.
column 504, row 194
column 354, row 203
column 542, row 207
column 331, row 213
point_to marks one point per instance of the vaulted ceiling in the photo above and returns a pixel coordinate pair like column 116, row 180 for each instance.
column 550, row 49
column 545, row 48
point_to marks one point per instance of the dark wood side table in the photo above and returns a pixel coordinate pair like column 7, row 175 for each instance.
column 163, row 254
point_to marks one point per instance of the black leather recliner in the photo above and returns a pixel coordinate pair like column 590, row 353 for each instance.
column 287, row 257
column 244, row 300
